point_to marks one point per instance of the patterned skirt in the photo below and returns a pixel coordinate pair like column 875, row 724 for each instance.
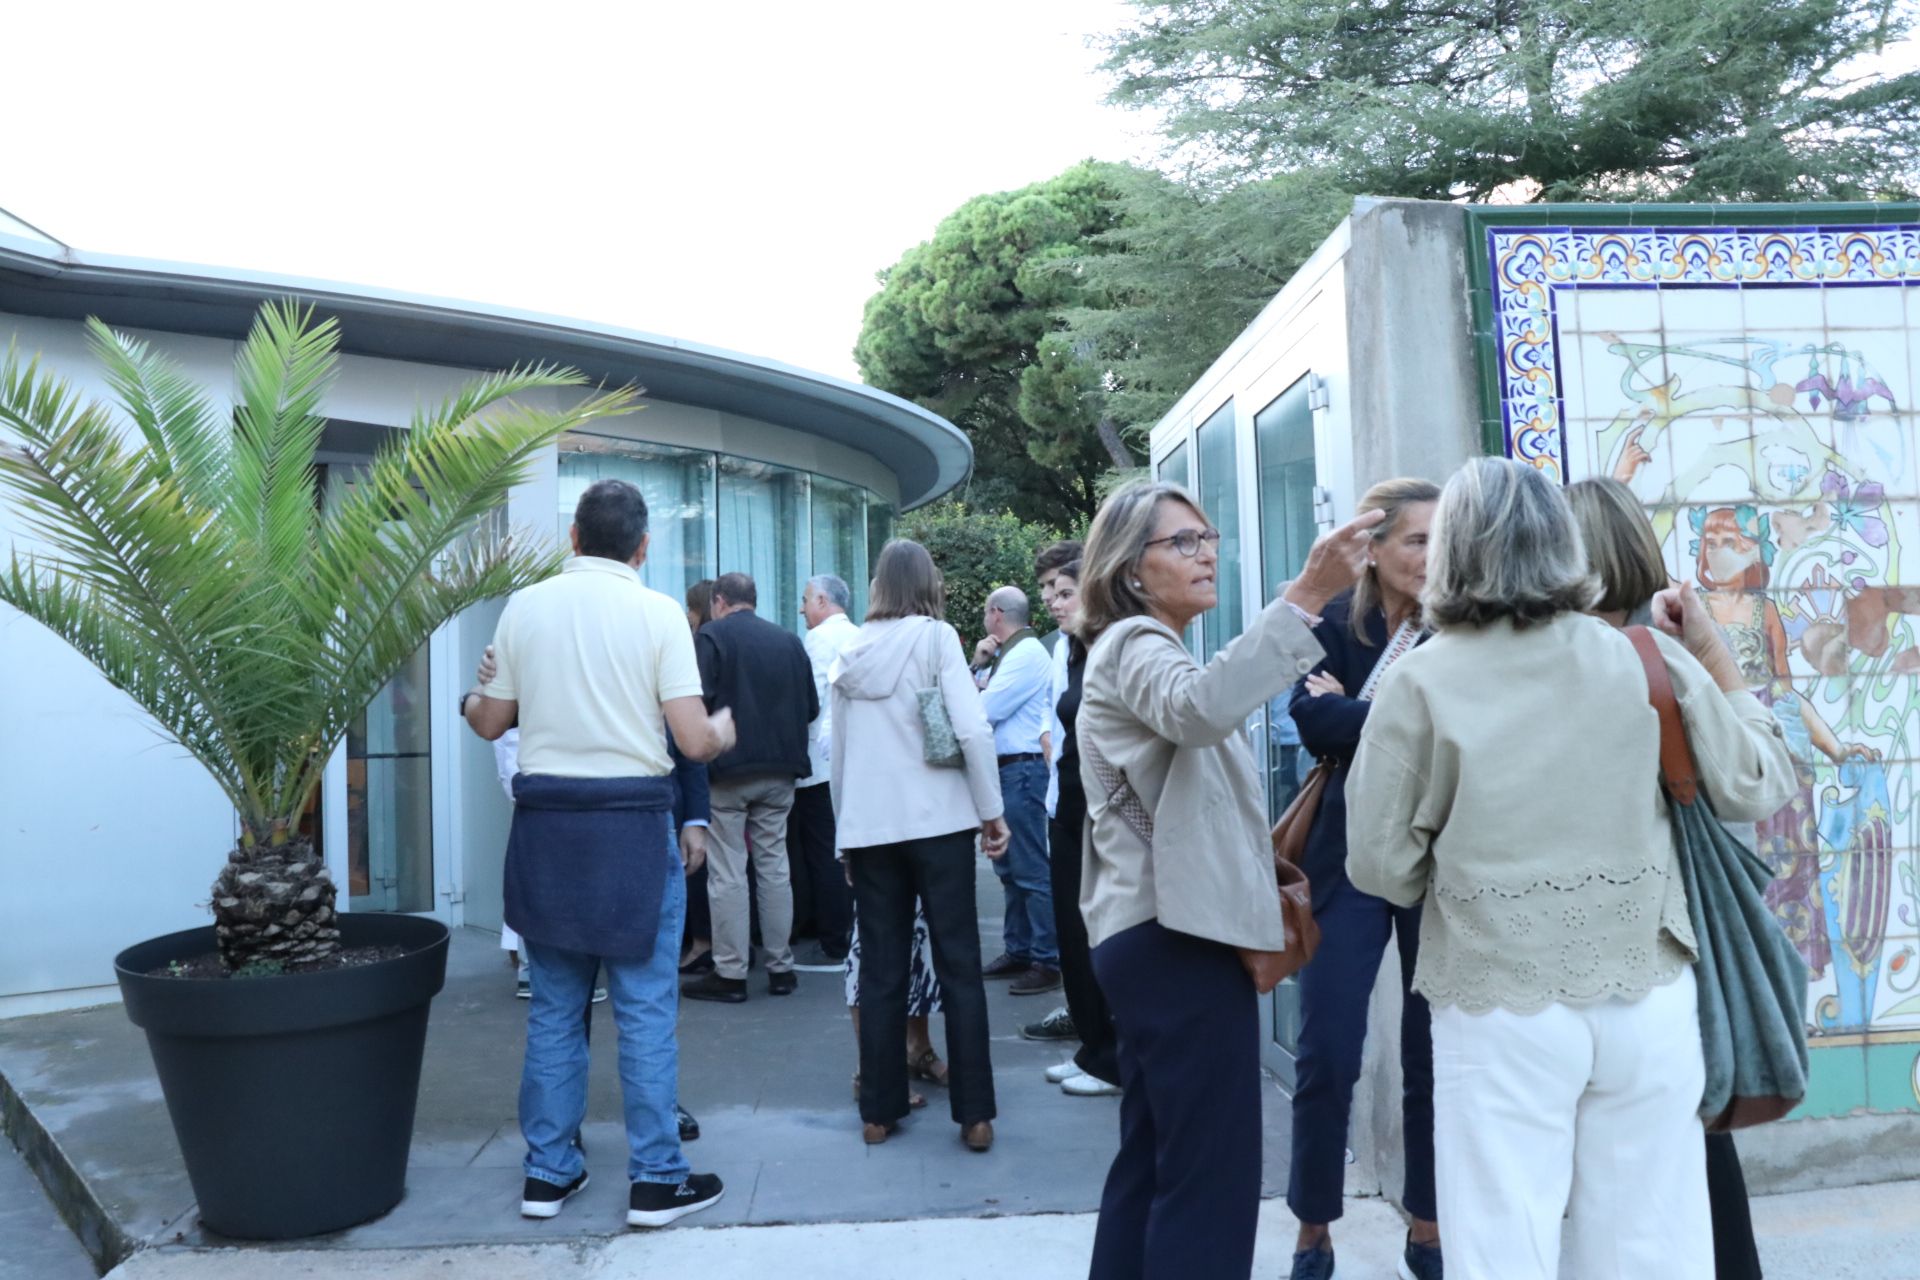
column 923, row 989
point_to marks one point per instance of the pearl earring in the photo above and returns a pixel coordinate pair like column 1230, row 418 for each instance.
column 1135, row 584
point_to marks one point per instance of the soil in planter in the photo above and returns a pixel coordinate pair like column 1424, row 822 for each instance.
column 207, row 964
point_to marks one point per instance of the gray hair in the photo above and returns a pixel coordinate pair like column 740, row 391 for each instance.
column 833, row 588
column 1115, row 544
column 1504, row 547
column 1012, row 602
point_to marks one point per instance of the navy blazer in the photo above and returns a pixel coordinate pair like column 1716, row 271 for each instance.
column 1330, row 728
column 690, row 792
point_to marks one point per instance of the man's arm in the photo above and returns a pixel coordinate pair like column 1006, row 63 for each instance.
column 1024, row 672
column 491, row 717
column 701, row 736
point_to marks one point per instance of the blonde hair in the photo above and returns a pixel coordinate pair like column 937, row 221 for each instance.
column 1504, row 548
column 1115, row 543
column 1392, row 497
column 1622, row 548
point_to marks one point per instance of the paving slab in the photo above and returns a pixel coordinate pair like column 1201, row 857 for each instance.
column 34, row 1243
column 1859, row 1233
column 770, row 1081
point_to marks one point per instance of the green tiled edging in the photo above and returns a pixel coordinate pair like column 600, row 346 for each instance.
column 1882, row 1078
column 1836, row 1082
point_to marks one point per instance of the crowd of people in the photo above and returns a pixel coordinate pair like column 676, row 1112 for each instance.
column 709, row 793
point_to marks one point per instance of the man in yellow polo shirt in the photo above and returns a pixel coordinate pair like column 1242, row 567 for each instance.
column 594, row 666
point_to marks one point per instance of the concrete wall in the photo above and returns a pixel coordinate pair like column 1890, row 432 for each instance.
column 1410, row 341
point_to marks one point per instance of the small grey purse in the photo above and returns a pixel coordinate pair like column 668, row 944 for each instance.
column 942, row 744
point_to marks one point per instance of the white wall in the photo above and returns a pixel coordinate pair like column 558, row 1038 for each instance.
column 108, row 835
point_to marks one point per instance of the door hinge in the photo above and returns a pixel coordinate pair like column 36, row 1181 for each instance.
column 1317, row 395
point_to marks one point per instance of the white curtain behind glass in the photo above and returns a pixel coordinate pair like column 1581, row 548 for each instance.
column 678, row 487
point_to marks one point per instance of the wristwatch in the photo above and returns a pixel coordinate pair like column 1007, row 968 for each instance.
column 462, row 705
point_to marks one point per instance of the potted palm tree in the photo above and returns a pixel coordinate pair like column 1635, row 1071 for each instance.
column 189, row 559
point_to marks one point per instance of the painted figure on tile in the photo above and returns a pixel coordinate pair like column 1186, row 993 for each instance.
column 1733, row 555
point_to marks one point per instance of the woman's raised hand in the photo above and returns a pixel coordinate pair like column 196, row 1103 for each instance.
column 1336, row 562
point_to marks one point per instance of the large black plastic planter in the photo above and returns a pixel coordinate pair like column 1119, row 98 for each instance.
column 292, row 1096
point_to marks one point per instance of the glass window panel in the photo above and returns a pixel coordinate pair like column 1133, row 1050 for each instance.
column 1174, row 468
column 761, row 534
column 1283, row 441
column 678, row 487
column 1283, row 436
column 1219, row 494
column 840, row 538
column 390, row 796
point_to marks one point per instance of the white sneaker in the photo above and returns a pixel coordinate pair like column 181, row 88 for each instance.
column 1086, row 1086
column 1062, row 1072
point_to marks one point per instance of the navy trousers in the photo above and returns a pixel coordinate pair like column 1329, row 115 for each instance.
column 1334, row 989
column 1183, row 1197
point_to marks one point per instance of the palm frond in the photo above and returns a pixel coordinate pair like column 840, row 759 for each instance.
column 189, row 560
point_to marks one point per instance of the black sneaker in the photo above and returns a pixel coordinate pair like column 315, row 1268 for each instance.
column 655, row 1204
column 1312, row 1264
column 542, row 1199
column 1057, row 1025
column 1421, row 1262
column 714, row 987
column 689, row 1127
column 781, row 984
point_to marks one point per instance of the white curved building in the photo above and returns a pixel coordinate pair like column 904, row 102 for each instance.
column 108, row 835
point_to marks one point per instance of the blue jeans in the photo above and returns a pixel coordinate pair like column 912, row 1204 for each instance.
column 646, row 1003
column 1025, row 874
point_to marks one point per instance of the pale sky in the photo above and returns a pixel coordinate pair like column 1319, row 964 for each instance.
column 728, row 173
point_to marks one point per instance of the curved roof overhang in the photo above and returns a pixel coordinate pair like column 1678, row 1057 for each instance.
column 928, row 454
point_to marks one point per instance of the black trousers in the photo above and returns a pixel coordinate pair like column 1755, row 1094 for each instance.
column 1099, row 1044
column 1183, row 1197
column 822, row 903
column 887, row 878
column 1735, row 1256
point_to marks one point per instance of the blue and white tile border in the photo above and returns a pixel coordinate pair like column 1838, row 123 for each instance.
column 1531, row 265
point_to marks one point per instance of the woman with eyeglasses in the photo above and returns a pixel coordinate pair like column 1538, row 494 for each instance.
column 1178, row 874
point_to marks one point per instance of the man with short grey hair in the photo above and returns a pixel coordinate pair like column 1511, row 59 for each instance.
column 1015, row 675
column 822, row 904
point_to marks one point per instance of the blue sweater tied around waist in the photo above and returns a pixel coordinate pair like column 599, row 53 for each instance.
column 587, row 862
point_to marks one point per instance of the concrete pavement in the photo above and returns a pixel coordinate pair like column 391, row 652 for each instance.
column 1860, row 1233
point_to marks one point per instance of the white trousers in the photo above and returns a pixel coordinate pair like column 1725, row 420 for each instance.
column 1586, row 1112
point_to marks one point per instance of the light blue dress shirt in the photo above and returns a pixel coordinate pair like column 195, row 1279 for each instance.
column 1016, row 698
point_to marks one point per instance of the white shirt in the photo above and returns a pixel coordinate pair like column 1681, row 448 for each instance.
column 824, row 644
column 590, row 655
column 1057, row 732
column 1016, row 695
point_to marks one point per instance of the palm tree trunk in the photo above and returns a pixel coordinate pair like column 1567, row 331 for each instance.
column 274, row 907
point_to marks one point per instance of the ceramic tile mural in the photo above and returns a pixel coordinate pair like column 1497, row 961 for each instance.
column 1758, row 387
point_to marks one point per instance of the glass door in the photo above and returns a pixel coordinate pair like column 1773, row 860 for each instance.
column 376, row 814
column 1283, row 443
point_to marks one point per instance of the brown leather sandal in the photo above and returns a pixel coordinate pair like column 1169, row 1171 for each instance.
column 875, row 1134
column 922, row 1068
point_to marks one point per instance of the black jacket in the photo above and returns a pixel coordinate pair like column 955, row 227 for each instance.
column 1330, row 728
column 763, row 673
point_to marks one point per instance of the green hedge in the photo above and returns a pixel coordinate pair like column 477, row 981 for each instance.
column 976, row 553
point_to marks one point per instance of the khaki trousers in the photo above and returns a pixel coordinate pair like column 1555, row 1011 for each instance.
column 750, row 810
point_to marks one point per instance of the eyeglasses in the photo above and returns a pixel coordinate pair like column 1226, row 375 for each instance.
column 1187, row 541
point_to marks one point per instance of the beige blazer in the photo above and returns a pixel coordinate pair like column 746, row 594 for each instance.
column 1511, row 779
column 1177, row 731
